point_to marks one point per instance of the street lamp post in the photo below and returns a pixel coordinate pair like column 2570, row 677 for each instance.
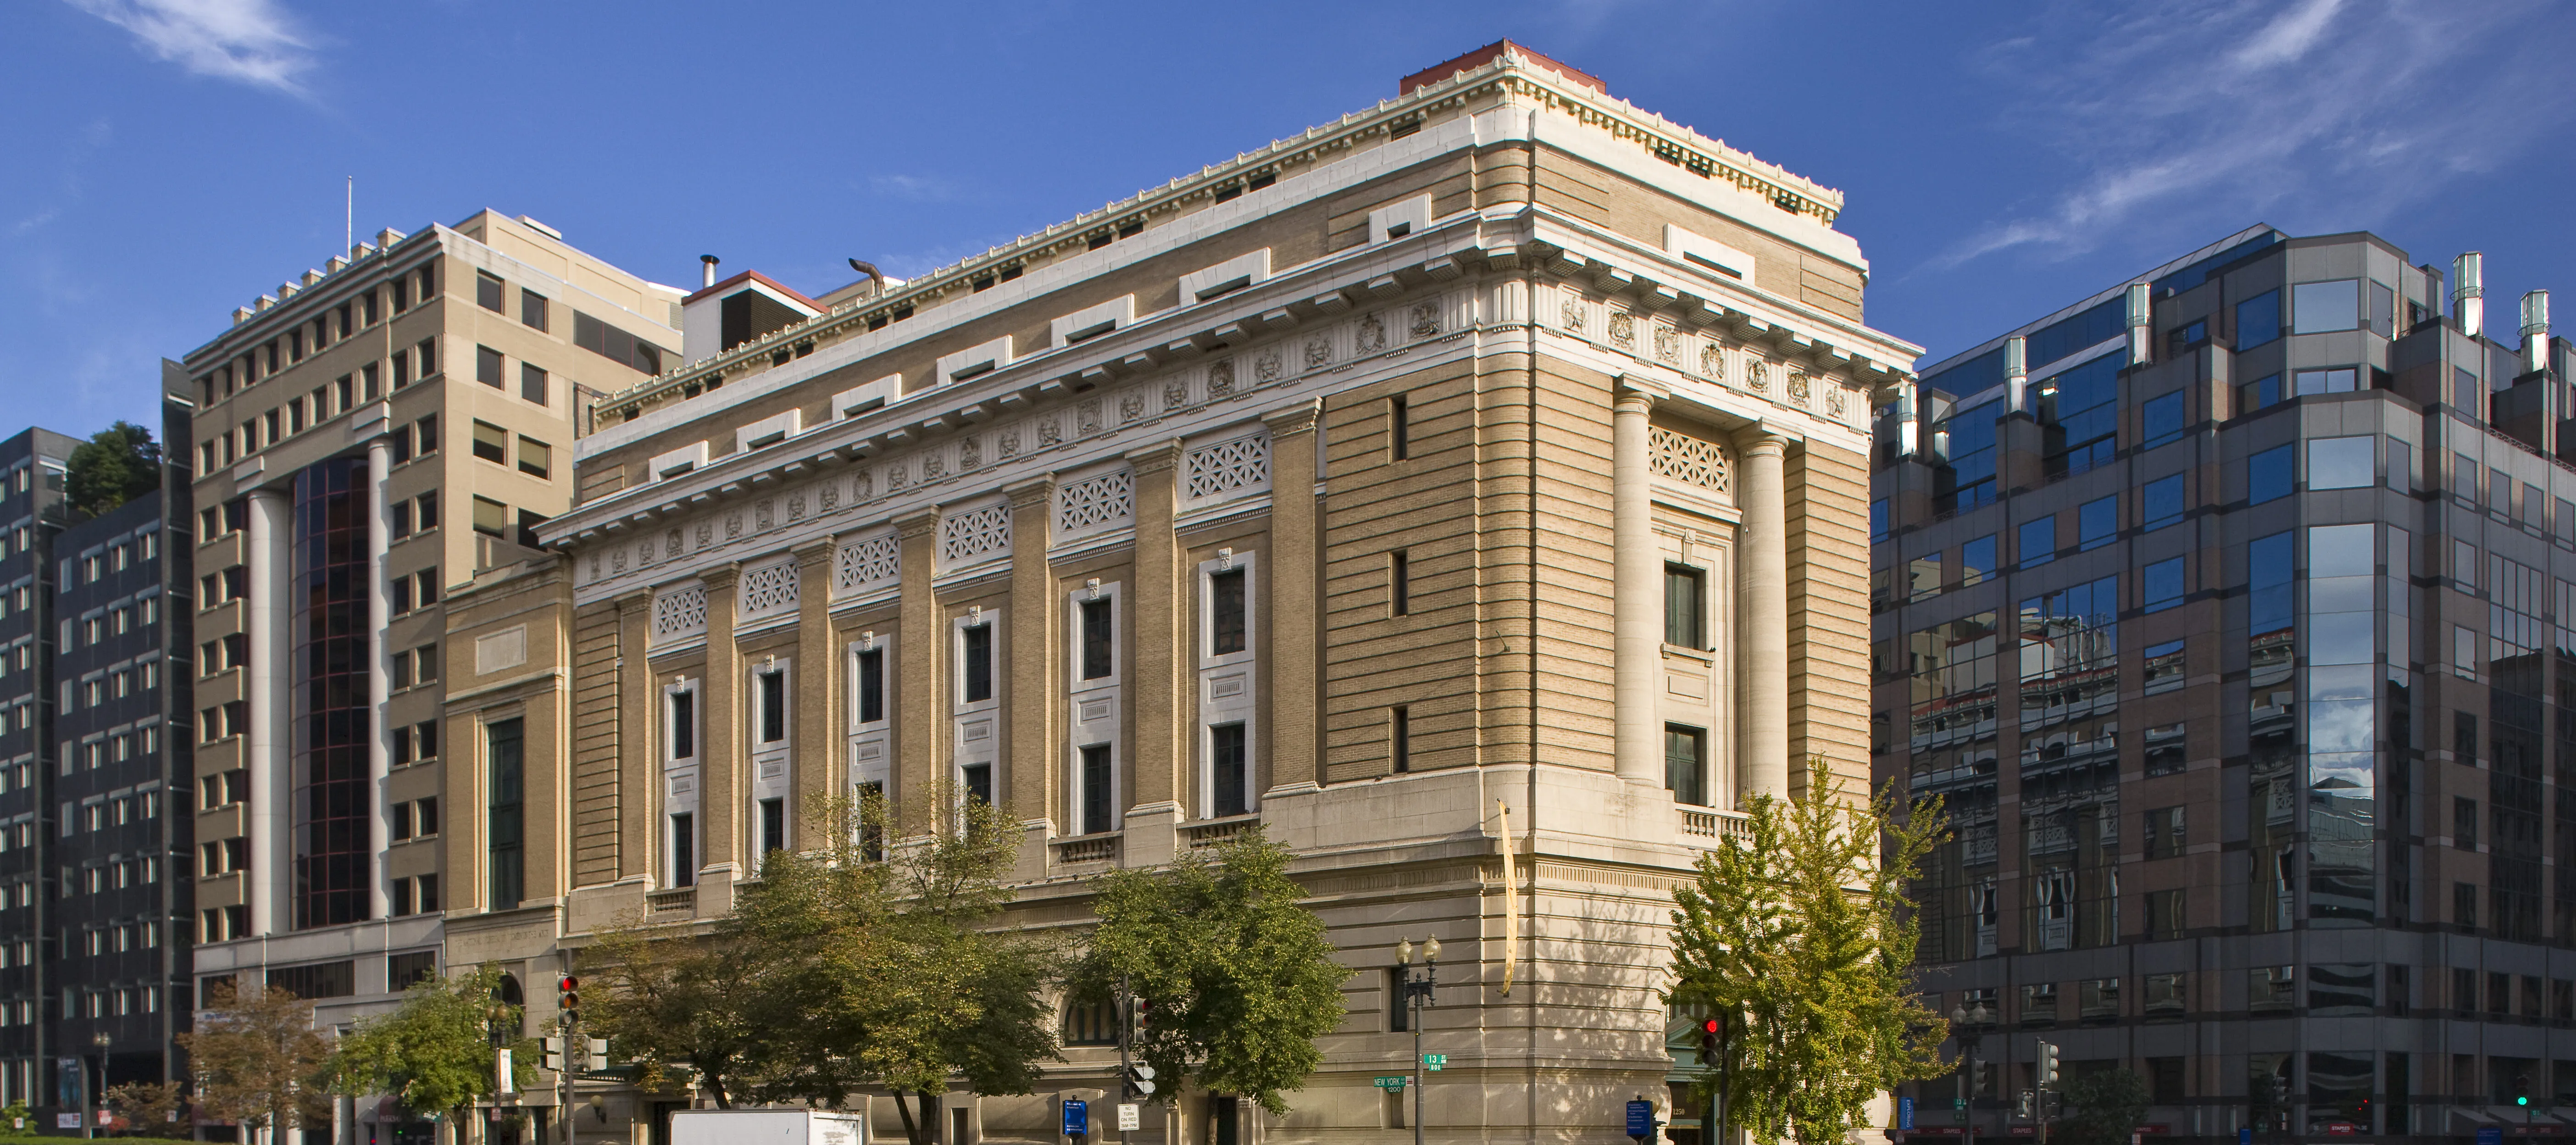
column 89, row 1102
column 1969, row 1027
column 1417, row 994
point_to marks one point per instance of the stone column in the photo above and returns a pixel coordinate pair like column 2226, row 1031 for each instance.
column 639, row 744
column 268, row 742
column 1158, row 785
column 1030, row 760
column 816, row 725
column 720, row 754
column 1295, row 615
column 379, row 676
column 1762, row 616
column 1637, row 589
column 920, row 695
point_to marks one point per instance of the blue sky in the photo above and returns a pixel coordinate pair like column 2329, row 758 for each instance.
column 172, row 159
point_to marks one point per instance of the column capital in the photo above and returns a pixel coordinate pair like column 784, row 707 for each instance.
column 634, row 600
column 1633, row 388
column 1761, row 440
column 1033, row 491
column 815, row 553
column 1154, row 458
column 722, row 576
column 917, row 525
column 1294, row 419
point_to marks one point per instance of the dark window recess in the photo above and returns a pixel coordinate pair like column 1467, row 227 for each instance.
column 978, row 779
column 489, row 293
column 1132, row 227
column 1098, row 640
column 403, row 971
column 1399, row 583
column 532, row 309
column 773, row 825
column 982, row 282
column 1399, row 734
column 1227, row 765
column 1405, row 128
column 528, row 523
column 871, row 686
column 504, row 743
column 684, row 725
column 1096, row 782
column 1399, row 429
column 748, row 315
column 489, row 366
column 978, row 666
column 773, row 707
column 1099, row 239
column 1685, row 596
column 333, row 835
column 318, row 980
column 684, row 850
column 610, row 342
column 1684, row 776
column 1228, row 629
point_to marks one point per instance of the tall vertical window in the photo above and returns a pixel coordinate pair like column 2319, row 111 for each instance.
column 977, row 666
column 1226, row 627
column 504, row 746
column 684, row 849
column 1399, row 429
column 684, row 725
column 978, row 779
column 1684, row 774
column 488, row 366
column 1228, row 783
column 773, row 706
column 1685, row 606
column 1399, row 737
column 1399, row 582
column 1098, row 640
column 773, row 825
column 871, row 673
column 332, row 626
column 532, row 383
column 1095, row 785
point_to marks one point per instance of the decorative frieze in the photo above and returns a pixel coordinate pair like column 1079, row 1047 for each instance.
column 1095, row 504
column 766, row 590
column 867, row 563
column 973, row 536
column 680, row 614
column 1225, row 469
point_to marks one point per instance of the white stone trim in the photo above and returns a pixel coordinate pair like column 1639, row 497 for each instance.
column 1400, row 218
column 871, row 742
column 1095, row 710
column 859, row 400
column 769, row 431
column 1237, row 273
column 1708, row 254
column 678, row 461
column 1090, row 322
column 1229, row 685
column 974, row 360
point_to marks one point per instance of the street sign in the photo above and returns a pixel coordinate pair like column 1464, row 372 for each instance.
column 1641, row 1119
column 1393, row 1082
column 1077, row 1118
column 1959, row 1104
column 2490, row 1135
column 1905, row 1113
column 1128, row 1120
column 1434, row 1061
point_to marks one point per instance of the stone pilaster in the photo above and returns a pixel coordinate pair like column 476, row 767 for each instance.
column 921, row 694
column 1296, row 610
column 1638, row 611
column 819, row 770
column 720, row 751
column 1160, row 785
column 1031, row 760
column 639, row 744
column 1762, row 612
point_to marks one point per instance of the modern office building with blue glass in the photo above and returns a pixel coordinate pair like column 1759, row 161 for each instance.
column 2231, row 613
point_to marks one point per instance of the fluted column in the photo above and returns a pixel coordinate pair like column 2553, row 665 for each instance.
column 380, row 468
column 1296, row 612
column 1762, row 616
column 271, row 545
column 1638, row 604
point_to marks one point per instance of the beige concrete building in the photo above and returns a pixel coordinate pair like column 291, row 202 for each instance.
column 367, row 438
column 1501, row 446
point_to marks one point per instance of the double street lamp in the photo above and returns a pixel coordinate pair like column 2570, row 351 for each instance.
column 1417, row 994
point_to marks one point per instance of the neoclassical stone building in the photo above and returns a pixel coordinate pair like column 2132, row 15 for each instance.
column 1483, row 471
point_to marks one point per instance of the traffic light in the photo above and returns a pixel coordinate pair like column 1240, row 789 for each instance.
column 1140, row 1080
column 568, row 999
column 1708, row 1031
column 2522, row 1089
column 2047, row 1065
column 554, row 1059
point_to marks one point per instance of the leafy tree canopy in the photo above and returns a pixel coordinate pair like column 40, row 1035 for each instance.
column 2109, row 1104
column 1234, row 975
column 1801, row 937
column 257, row 1057
column 435, row 1052
column 116, row 465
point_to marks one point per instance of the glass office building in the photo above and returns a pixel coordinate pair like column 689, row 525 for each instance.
column 2231, row 613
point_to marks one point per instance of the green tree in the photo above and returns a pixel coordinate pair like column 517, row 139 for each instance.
column 2109, row 1105
column 1802, row 934
column 257, row 1056
column 116, row 465
column 1234, row 973
column 680, row 1005
column 434, row 1053
column 148, row 1106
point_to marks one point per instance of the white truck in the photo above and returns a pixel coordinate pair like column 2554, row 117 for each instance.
column 767, row 1127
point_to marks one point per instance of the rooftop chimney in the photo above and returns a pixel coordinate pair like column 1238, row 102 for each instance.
column 2016, row 375
column 2142, row 321
column 710, row 271
column 2535, row 331
column 2468, row 293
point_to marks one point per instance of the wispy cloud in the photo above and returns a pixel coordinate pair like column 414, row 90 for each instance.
column 2215, row 113
column 917, row 188
column 246, row 41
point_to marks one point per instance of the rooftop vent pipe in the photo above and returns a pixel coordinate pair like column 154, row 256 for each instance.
column 2142, row 322
column 2016, row 375
column 2535, row 331
column 2468, row 293
column 709, row 270
column 874, row 275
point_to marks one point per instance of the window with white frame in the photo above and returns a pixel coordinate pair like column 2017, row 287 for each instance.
column 683, row 733
column 1095, row 708
column 1227, row 684
column 975, row 638
column 771, row 713
column 871, row 711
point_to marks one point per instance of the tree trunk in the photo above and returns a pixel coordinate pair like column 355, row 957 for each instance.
column 911, row 1132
